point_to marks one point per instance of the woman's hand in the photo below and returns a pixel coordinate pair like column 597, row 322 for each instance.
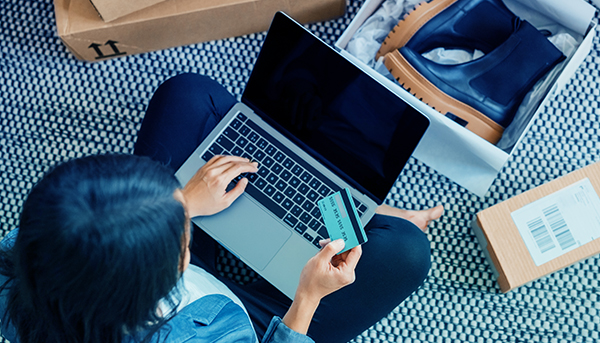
column 206, row 192
column 323, row 274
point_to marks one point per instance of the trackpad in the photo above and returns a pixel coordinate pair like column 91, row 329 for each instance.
column 247, row 231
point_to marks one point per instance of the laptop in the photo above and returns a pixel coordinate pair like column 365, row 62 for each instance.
column 316, row 124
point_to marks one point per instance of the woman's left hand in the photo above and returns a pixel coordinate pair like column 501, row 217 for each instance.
column 206, row 192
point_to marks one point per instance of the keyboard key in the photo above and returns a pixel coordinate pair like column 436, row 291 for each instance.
column 295, row 182
column 362, row 208
column 297, row 170
column 276, row 168
column 308, row 206
column 306, row 177
column 262, row 171
column 269, row 190
column 260, row 183
column 290, row 220
column 262, row 143
column 317, row 213
column 259, row 155
column 231, row 134
column 287, row 204
column 289, row 164
column 265, row 201
column 241, row 117
column 323, row 232
column 278, row 197
column 225, row 142
column 253, row 137
column 314, row 224
column 271, row 150
column 251, row 148
column 300, row 228
column 207, row 156
column 305, row 218
column 245, row 131
column 280, row 185
column 316, row 242
column 216, row 149
column 303, row 189
column 286, row 175
column 324, row 190
column 272, row 178
column 237, row 151
column 236, row 124
column 296, row 211
column 279, row 157
column 313, row 196
column 242, row 141
column 252, row 177
column 308, row 237
column 268, row 161
column 298, row 199
column 315, row 184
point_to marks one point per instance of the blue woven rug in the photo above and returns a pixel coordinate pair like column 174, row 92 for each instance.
column 53, row 107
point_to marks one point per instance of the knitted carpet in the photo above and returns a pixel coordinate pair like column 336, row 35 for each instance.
column 54, row 107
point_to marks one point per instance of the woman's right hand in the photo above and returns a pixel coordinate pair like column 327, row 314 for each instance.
column 324, row 273
column 206, row 192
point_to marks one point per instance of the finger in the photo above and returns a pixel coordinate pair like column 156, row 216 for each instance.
column 236, row 191
column 324, row 242
column 353, row 256
column 235, row 169
column 222, row 160
column 331, row 249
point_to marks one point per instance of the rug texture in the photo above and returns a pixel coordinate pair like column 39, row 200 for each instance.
column 54, row 107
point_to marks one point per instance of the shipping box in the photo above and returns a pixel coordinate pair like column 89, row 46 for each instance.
column 176, row 22
column 112, row 9
column 542, row 230
column 450, row 148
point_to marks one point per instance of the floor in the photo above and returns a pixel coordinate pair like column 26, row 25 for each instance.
column 54, row 107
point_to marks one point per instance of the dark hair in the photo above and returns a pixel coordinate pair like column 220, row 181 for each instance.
column 99, row 244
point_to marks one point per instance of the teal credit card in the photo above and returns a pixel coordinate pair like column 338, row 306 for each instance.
column 341, row 219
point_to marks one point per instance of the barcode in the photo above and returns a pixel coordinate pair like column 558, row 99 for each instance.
column 540, row 234
column 559, row 227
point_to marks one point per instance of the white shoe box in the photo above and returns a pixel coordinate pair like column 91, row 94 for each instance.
column 456, row 152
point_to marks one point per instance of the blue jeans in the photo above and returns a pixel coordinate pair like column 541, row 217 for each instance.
column 395, row 260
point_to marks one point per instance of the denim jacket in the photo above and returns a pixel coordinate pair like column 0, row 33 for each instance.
column 212, row 318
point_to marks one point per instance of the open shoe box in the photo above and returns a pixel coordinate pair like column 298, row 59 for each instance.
column 451, row 149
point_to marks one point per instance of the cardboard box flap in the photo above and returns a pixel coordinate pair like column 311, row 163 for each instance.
column 113, row 9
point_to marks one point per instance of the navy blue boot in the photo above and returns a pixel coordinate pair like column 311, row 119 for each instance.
column 483, row 94
column 471, row 24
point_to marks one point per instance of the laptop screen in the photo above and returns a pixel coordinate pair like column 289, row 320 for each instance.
column 339, row 114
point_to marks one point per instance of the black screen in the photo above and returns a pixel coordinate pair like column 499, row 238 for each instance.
column 348, row 120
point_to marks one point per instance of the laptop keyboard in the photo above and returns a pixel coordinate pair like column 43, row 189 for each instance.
column 285, row 184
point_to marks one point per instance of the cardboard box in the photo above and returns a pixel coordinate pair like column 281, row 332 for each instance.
column 451, row 149
column 542, row 230
column 112, row 9
column 175, row 23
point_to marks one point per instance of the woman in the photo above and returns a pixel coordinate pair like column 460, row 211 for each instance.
column 102, row 253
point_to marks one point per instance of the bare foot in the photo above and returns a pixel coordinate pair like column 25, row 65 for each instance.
column 420, row 218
